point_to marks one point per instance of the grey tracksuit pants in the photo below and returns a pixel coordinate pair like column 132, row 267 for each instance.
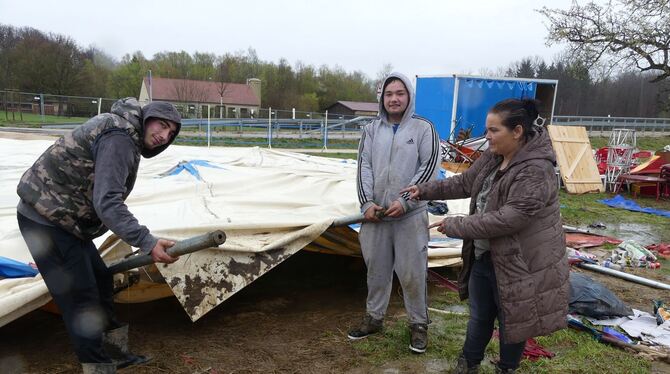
column 401, row 246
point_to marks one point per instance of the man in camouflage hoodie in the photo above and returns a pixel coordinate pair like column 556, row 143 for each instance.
column 75, row 192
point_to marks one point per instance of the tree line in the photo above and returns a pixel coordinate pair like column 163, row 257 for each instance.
column 620, row 36
column 35, row 61
column 584, row 91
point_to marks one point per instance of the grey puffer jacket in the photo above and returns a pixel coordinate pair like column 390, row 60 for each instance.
column 523, row 224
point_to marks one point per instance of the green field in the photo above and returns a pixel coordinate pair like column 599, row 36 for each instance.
column 650, row 143
column 34, row 120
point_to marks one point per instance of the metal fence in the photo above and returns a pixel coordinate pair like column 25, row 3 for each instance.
column 282, row 133
column 263, row 127
column 324, row 133
column 202, row 124
column 39, row 107
column 274, row 128
column 602, row 125
column 16, row 105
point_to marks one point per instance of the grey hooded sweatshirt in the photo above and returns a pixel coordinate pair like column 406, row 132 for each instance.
column 389, row 161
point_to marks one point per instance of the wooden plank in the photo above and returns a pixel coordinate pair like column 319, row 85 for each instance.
column 573, row 155
column 587, row 181
column 572, row 140
column 577, row 160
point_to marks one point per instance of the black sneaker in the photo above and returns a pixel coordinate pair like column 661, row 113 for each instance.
column 369, row 326
column 418, row 337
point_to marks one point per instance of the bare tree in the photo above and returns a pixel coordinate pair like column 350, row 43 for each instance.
column 190, row 91
column 223, row 82
column 384, row 72
column 622, row 33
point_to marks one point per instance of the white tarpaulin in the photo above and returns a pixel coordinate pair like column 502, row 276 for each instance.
column 269, row 203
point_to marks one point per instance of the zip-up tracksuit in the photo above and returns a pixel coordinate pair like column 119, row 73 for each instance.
column 389, row 160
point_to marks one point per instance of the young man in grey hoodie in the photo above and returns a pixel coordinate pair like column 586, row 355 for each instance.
column 75, row 192
column 398, row 149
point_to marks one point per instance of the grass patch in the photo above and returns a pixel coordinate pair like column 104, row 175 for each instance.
column 653, row 143
column 445, row 340
column 35, row 120
column 262, row 142
column 578, row 352
column 585, row 209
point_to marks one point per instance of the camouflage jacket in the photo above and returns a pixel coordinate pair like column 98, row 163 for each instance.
column 59, row 185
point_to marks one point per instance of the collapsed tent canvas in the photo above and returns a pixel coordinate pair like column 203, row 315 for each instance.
column 271, row 204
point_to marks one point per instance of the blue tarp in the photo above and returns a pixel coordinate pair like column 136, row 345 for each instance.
column 435, row 96
column 190, row 167
column 14, row 269
column 622, row 203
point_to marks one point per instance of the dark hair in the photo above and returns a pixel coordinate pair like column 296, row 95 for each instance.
column 515, row 112
column 391, row 80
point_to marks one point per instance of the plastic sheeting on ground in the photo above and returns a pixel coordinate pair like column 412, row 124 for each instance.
column 642, row 325
column 619, row 202
column 582, row 240
column 15, row 269
column 592, row 299
column 270, row 204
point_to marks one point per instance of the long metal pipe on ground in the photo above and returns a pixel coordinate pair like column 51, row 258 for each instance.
column 626, row 276
column 182, row 247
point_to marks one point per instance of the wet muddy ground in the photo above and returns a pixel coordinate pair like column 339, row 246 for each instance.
column 643, row 234
column 292, row 320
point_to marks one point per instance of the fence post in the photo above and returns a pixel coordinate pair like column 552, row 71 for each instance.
column 325, row 132
column 42, row 107
column 270, row 127
column 209, row 130
column 99, row 104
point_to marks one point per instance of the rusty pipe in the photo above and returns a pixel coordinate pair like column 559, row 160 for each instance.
column 182, row 247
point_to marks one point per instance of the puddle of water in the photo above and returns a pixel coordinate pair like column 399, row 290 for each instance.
column 642, row 234
column 438, row 366
column 457, row 309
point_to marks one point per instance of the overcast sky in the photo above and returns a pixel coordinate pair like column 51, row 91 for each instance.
column 424, row 37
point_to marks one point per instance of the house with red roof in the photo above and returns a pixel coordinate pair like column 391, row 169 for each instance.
column 193, row 97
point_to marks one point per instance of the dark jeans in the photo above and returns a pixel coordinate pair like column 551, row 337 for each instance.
column 79, row 283
column 484, row 308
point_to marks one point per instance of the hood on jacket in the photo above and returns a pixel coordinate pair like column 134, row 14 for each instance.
column 537, row 147
column 409, row 112
column 162, row 110
column 131, row 110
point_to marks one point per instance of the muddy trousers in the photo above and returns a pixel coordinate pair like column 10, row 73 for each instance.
column 484, row 308
column 79, row 283
column 400, row 246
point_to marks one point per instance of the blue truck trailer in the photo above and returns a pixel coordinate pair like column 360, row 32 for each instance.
column 458, row 104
